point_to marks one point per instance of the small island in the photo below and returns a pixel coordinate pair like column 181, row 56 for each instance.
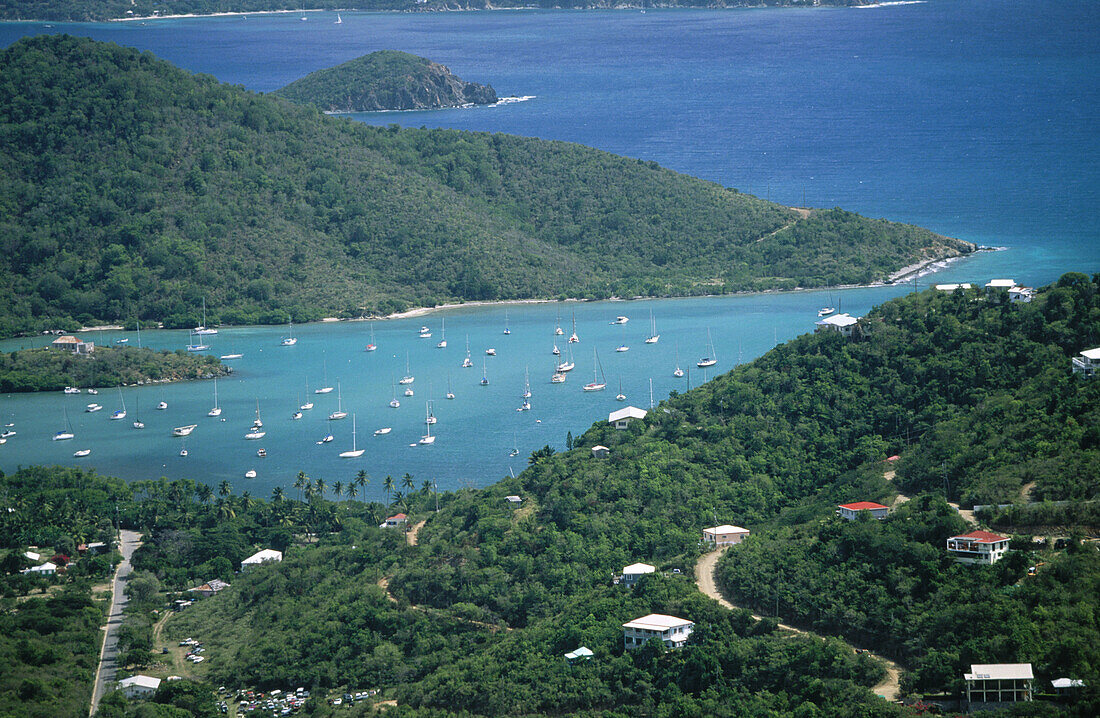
column 52, row 369
column 386, row 80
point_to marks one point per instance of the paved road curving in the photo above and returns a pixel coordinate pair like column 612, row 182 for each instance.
column 105, row 673
column 704, row 579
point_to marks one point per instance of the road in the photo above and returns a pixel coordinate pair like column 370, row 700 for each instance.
column 704, row 579
column 105, row 673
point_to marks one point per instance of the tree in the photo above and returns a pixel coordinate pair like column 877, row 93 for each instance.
column 225, row 489
column 388, row 484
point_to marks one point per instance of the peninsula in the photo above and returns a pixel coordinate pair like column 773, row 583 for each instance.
column 386, row 80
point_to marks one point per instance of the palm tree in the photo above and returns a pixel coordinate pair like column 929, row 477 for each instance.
column 224, row 489
column 277, row 494
column 426, row 487
column 300, row 483
column 224, row 508
column 338, row 488
column 388, row 485
column 321, row 488
column 407, row 482
column 361, row 478
column 352, row 490
column 204, row 492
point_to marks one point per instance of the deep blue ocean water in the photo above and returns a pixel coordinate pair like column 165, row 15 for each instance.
column 977, row 118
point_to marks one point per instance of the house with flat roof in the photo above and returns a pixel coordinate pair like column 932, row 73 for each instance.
column 621, row 419
column 670, row 630
column 952, row 287
column 139, row 686
column 634, row 572
column 601, row 452
column 1021, row 295
column 514, row 499
column 1003, row 284
column 978, row 547
column 581, row 654
column 852, row 511
column 268, row 555
column 843, row 324
column 725, row 535
column 1087, row 363
column 999, row 682
column 394, row 521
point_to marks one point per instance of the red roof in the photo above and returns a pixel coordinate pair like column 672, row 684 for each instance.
column 397, row 516
column 895, row 457
column 863, row 506
column 982, row 537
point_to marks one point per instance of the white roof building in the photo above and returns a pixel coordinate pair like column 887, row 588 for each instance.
column 1000, row 284
column 265, row 556
column 998, row 682
column 953, row 287
column 633, row 572
column 1087, row 363
column 139, row 686
column 672, row 631
column 725, row 535
column 582, row 654
column 1021, row 294
column 600, row 452
column 621, row 419
column 843, row 324
column 32, row 555
column 46, row 569
column 513, row 499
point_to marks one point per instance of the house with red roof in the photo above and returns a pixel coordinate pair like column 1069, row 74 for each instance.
column 978, row 547
column 394, row 521
column 852, row 511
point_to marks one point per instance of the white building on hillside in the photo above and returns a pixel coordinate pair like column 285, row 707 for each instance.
column 725, row 535
column 999, row 683
column 852, row 511
column 621, row 419
column 1005, row 284
column 672, row 631
column 978, row 547
column 952, row 287
column 634, row 572
column 268, row 555
column 1023, row 295
column 139, row 686
column 1087, row 363
column 843, row 324
column 46, row 569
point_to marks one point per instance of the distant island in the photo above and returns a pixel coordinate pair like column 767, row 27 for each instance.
column 386, row 80
column 100, row 10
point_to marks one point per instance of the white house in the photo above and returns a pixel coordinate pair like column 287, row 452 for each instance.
column 672, row 631
column 633, row 572
column 621, row 419
column 209, row 588
column 1022, row 295
column 46, row 569
column 844, row 324
column 999, row 683
column 393, row 521
column 513, row 499
column 978, row 547
column 265, row 556
column 995, row 284
column 72, row 344
column 1067, row 686
column 1087, row 363
column 725, row 535
column 581, row 654
column 952, row 287
column 139, row 686
column 600, row 452
column 851, row 511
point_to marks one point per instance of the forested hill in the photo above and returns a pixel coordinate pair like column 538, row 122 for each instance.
column 130, row 188
column 90, row 10
column 386, row 80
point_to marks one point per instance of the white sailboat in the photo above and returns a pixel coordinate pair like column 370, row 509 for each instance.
column 506, row 329
column 256, row 432
column 557, row 326
column 526, row 384
column 66, row 433
column 568, row 364
column 709, row 359
column 138, row 423
column 184, row 430
column 339, row 20
column 326, row 438
column 193, row 346
column 217, row 410
column 596, row 384
column 309, row 404
column 515, row 446
column 371, row 347
column 678, row 372
column 339, row 413
column 355, row 453
column 290, row 340
column 620, row 396
column 427, row 439
column 467, row 362
column 653, row 337
column 558, row 377
column 450, row 394
column 80, row 453
column 484, row 374
column 442, row 343
column 573, row 338
column 555, row 351
column 119, row 413
column 622, row 348
column 394, row 403
column 408, row 378
column 202, row 328
column 324, row 389
column 430, row 418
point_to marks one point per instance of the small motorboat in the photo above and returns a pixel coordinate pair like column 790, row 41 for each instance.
column 82, row 453
column 162, row 405
column 620, row 320
column 7, row 433
column 93, row 391
column 72, row 390
column 250, row 474
column 227, row 357
column 93, row 407
column 325, row 439
column 825, row 311
column 409, row 392
column 296, row 415
column 383, row 431
column 262, row 453
column 183, row 452
column 183, row 430
column 622, row 348
column 491, row 352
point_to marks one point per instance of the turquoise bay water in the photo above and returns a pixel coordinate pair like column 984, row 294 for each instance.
column 977, row 119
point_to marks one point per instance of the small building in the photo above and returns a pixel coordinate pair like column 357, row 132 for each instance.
column 1087, row 363
column 95, row 547
column 634, row 572
column 139, row 686
column 978, row 547
column 999, row 284
column 1067, row 686
column 621, row 419
column 581, row 654
column 268, row 555
column 953, row 287
column 32, row 555
column 209, row 588
column 671, row 631
column 851, row 511
column 72, row 344
column 601, row 452
column 843, row 324
column 394, row 521
column 46, row 569
column 999, row 683
column 513, row 499
column 1021, row 295
column 725, row 535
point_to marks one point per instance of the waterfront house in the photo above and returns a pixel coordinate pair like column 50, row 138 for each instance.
column 581, row 654
column 394, row 521
column 843, row 324
column 670, row 630
column 621, row 419
column 139, row 686
column 952, row 287
column 999, row 683
column 72, row 344
column 634, row 572
column 852, row 511
column 268, row 555
column 46, row 569
column 601, row 452
column 999, row 284
column 978, row 547
column 725, row 535
column 1022, row 295
column 1087, row 363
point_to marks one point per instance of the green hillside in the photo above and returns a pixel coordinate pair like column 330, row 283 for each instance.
column 131, row 188
column 385, row 80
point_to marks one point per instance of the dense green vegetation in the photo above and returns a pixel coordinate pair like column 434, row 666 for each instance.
column 86, row 10
column 130, row 188
column 47, row 369
column 385, row 80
